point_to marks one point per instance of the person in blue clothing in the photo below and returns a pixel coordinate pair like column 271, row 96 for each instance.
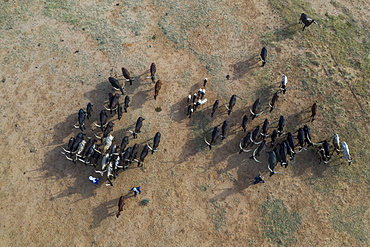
column 136, row 190
column 258, row 179
column 94, row 180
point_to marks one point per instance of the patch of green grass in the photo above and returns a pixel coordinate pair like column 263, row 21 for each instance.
column 12, row 13
column 352, row 222
column 158, row 109
column 109, row 33
column 218, row 215
column 204, row 187
column 338, row 46
column 251, row 242
column 184, row 21
column 278, row 224
column 145, row 201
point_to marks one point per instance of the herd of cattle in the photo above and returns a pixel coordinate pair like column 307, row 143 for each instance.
column 282, row 152
column 110, row 157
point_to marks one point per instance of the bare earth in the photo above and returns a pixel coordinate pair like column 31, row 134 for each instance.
column 53, row 65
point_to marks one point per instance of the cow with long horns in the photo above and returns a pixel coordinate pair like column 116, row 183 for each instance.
column 215, row 135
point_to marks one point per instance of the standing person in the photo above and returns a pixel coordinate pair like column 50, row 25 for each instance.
column 136, row 190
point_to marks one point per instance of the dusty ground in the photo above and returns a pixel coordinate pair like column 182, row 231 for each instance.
column 56, row 57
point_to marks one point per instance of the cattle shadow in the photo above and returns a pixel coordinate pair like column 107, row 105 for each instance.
column 246, row 169
column 57, row 168
column 108, row 209
column 203, row 125
column 265, row 95
column 286, row 32
column 98, row 98
column 139, row 98
column 243, row 67
column 178, row 110
column 103, row 211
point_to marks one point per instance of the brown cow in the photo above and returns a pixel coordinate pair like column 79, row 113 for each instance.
column 157, row 87
column 121, row 202
column 313, row 111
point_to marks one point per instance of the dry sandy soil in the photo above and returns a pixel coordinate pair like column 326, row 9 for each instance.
column 56, row 57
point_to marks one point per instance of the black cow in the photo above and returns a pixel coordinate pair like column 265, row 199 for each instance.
column 103, row 120
column 113, row 102
column 301, row 139
column 124, row 143
column 323, row 157
column 143, row 154
column 289, row 150
column 95, row 157
column 231, row 104
column 81, row 120
column 127, row 101
column 255, row 135
column 119, row 111
column 273, row 101
column 245, row 143
column 263, row 56
column 265, row 127
column 281, row 125
column 89, row 110
column 68, row 151
column 156, row 141
column 283, row 154
column 277, row 154
column 205, row 82
column 272, row 160
column 307, row 135
column 290, row 140
column 138, row 125
column 224, row 129
column 153, row 70
column 108, row 129
column 215, row 135
column 134, row 151
column 255, row 108
column 326, row 147
column 306, row 21
column 189, row 111
column 258, row 151
column 127, row 158
column 273, row 138
column 115, row 84
column 214, row 108
column 244, row 123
